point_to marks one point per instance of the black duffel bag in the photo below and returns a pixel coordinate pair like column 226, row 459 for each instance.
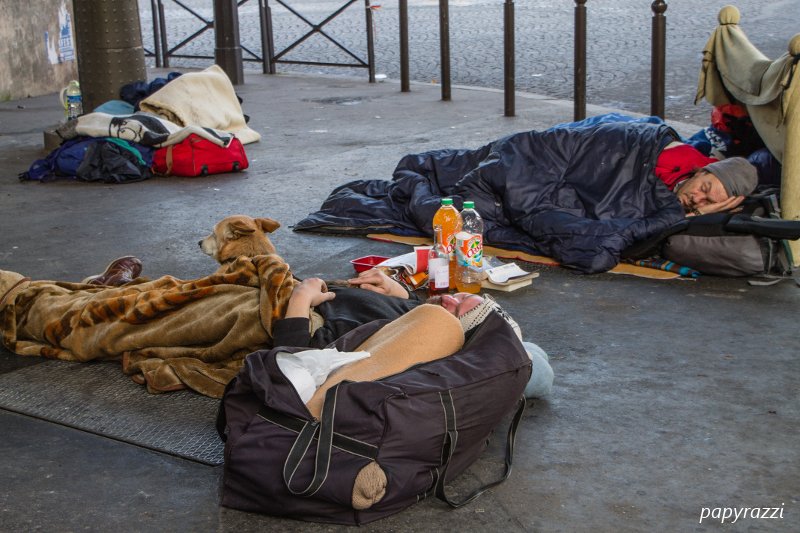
column 420, row 428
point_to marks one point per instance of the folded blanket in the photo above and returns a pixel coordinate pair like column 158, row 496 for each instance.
column 143, row 128
column 205, row 99
column 168, row 333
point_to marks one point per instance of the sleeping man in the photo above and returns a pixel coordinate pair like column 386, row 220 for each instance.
column 702, row 184
column 580, row 195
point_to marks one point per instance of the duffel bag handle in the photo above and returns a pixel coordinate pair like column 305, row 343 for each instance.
column 324, row 447
column 451, row 440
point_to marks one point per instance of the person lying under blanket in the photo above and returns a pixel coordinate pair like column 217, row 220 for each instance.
column 580, row 195
column 172, row 334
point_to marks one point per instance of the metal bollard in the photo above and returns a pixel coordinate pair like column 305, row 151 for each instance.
column 508, row 58
column 579, row 87
column 405, row 85
column 370, row 42
column 444, row 47
column 162, row 28
column 109, row 48
column 267, row 43
column 156, row 35
column 658, row 62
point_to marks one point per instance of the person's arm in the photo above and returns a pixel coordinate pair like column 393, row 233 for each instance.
column 293, row 329
column 376, row 280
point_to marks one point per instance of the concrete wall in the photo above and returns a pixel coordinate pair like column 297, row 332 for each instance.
column 37, row 47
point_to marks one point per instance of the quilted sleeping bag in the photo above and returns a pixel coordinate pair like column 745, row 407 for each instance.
column 579, row 194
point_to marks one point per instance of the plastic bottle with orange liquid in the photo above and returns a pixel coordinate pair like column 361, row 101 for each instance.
column 449, row 219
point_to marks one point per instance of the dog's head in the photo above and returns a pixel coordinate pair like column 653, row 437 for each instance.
column 239, row 235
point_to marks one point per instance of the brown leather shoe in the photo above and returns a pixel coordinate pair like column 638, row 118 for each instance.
column 118, row 272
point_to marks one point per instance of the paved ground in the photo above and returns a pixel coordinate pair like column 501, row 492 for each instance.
column 670, row 396
column 618, row 57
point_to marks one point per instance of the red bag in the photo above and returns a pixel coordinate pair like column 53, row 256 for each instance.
column 196, row 156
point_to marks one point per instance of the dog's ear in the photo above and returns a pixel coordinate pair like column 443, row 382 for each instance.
column 238, row 228
column 268, row 225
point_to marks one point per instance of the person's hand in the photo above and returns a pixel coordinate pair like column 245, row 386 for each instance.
column 376, row 280
column 309, row 293
column 725, row 205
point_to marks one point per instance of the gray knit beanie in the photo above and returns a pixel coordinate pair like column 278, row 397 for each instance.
column 737, row 175
column 475, row 316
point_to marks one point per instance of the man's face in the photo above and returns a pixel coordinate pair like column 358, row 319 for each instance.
column 459, row 303
column 703, row 188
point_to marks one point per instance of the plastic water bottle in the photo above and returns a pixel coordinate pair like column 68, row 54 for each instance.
column 438, row 265
column 74, row 101
column 469, row 250
column 450, row 221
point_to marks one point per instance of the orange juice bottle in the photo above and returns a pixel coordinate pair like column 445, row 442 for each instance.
column 449, row 219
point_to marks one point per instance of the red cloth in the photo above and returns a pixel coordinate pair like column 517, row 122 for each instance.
column 678, row 163
column 723, row 115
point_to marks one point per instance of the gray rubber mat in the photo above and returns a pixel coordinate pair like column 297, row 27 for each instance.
column 100, row 399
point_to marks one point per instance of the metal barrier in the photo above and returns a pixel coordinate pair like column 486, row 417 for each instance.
column 227, row 39
column 162, row 52
column 273, row 58
column 269, row 58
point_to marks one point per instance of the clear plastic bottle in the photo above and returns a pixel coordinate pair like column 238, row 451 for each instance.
column 449, row 219
column 73, row 101
column 469, row 250
column 438, row 265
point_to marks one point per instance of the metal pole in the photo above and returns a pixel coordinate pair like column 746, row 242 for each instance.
column 267, row 46
column 370, row 42
column 162, row 26
column 405, row 85
column 444, row 47
column 579, row 81
column 508, row 57
column 156, row 37
column 658, row 63
column 228, row 50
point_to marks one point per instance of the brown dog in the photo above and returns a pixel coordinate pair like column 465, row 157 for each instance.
column 239, row 235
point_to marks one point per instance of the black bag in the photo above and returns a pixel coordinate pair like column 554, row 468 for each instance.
column 747, row 243
column 423, row 427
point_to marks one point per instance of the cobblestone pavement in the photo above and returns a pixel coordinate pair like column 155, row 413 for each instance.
column 618, row 56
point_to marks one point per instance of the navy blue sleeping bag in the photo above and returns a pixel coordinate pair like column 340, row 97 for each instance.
column 580, row 195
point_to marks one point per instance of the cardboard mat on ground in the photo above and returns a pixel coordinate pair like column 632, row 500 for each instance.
column 622, row 268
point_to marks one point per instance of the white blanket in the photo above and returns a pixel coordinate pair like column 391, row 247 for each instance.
column 142, row 128
column 204, row 99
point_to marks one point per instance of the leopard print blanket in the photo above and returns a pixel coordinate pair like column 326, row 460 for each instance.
column 169, row 334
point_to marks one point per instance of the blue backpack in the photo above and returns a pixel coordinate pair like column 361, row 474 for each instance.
column 61, row 162
column 64, row 161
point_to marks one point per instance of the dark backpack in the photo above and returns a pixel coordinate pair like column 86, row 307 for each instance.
column 422, row 427
column 106, row 159
column 747, row 243
column 60, row 163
